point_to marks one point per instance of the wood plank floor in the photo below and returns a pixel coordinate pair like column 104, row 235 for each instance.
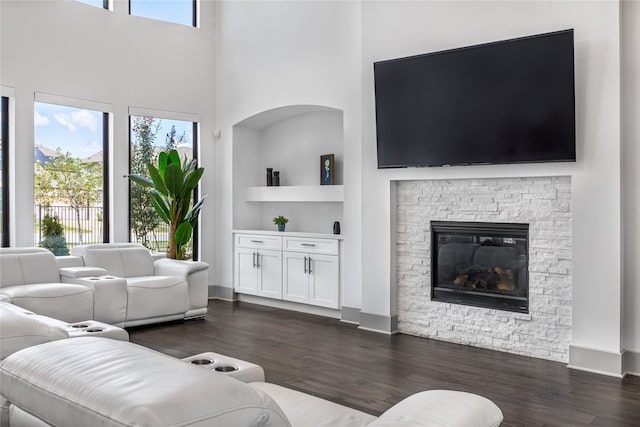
column 371, row 371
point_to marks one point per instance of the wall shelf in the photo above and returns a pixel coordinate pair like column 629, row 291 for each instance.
column 296, row 193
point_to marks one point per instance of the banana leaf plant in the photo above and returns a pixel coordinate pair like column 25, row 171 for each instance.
column 172, row 185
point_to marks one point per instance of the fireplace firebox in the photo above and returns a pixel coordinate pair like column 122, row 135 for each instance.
column 480, row 264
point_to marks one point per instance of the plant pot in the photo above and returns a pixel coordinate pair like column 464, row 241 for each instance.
column 280, row 227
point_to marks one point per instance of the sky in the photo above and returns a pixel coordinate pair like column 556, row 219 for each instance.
column 79, row 131
column 177, row 11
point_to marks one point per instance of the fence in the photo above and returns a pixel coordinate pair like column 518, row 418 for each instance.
column 84, row 226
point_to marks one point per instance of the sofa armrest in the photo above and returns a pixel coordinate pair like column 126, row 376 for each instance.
column 79, row 272
column 177, row 268
column 64, row 261
column 196, row 274
column 109, row 297
column 441, row 408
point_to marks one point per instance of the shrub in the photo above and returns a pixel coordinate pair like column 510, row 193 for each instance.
column 53, row 236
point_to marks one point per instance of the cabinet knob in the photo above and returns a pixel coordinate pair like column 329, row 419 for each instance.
column 307, row 244
column 256, row 241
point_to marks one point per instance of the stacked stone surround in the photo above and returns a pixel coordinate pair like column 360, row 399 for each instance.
column 542, row 202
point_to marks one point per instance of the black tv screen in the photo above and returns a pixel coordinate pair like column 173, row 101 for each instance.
column 510, row 101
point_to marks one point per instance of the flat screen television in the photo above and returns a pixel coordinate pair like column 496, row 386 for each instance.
column 511, row 101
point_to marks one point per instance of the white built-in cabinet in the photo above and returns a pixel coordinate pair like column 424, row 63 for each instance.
column 292, row 268
column 258, row 265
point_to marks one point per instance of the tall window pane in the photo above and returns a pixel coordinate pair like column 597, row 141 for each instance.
column 150, row 136
column 176, row 11
column 4, row 172
column 69, row 180
column 103, row 4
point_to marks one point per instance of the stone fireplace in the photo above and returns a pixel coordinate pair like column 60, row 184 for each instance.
column 543, row 328
column 481, row 264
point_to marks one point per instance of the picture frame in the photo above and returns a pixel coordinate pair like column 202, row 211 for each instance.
column 326, row 169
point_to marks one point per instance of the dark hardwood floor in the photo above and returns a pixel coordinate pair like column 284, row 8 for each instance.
column 372, row 372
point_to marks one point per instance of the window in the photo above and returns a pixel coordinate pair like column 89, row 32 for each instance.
column 148, row 137
column 4, row 172
column 176, row 11
column 103, row 4
column 70, row 176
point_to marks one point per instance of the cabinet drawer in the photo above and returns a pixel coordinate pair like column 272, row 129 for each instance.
column 314, row 246
column 258, row 241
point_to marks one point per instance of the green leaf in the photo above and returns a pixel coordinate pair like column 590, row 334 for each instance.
column 157, row 179
column 160, row 205
column 192, row 179
column 192, row 216
column 142, row 180
column 183, row 234
column 163, row 159
column 173, row 179
column 174, row 158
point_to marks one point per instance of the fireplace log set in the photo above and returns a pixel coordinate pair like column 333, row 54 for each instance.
column 478, row 277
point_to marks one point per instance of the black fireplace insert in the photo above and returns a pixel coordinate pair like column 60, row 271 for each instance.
column 480, row 264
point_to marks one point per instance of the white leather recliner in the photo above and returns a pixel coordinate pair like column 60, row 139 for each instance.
column 154, row 291
column 29, row 278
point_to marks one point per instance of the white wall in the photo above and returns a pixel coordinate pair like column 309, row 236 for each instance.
column 631, row 178
column 78, row 51
column 395, row 29
column 292, row 146
column 279, row 53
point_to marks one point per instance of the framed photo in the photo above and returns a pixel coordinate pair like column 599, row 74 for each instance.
column 326, row 169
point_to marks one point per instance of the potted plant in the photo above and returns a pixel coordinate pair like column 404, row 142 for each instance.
column 172, row 184
column 280, row 221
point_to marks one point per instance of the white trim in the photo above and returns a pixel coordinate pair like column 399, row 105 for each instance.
column 597, row 361
column 168, row 115
column 73, row 102
column 7, row 92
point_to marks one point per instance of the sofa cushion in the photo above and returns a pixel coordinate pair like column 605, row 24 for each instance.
column 64, row 301
column 120, row 260
column 300, row 408
column 155, row 296
column 21, row 329
column 27, row 266
column 98, row 381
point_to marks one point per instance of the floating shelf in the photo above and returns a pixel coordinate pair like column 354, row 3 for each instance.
column 296, row 193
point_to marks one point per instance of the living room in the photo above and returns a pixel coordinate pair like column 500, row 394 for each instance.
column 248, row 58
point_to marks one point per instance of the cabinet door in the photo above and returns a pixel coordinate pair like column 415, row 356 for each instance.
column 324, row 281
column 295, row 279
column 245, row 274
column 270, row 274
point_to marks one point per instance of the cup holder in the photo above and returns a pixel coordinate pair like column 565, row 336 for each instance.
column 226, row 368
column 94, row 330
column 79, row 326
column 201, row 362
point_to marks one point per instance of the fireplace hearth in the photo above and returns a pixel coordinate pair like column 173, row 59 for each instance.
column 480, row 264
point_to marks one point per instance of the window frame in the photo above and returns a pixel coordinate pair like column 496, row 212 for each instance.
column 107, row 112
column 6, row 217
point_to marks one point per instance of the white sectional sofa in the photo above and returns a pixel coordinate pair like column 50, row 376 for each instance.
column 117, row 383
column 118, row 284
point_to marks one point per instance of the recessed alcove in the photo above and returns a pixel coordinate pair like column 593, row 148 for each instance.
column 289, row 139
